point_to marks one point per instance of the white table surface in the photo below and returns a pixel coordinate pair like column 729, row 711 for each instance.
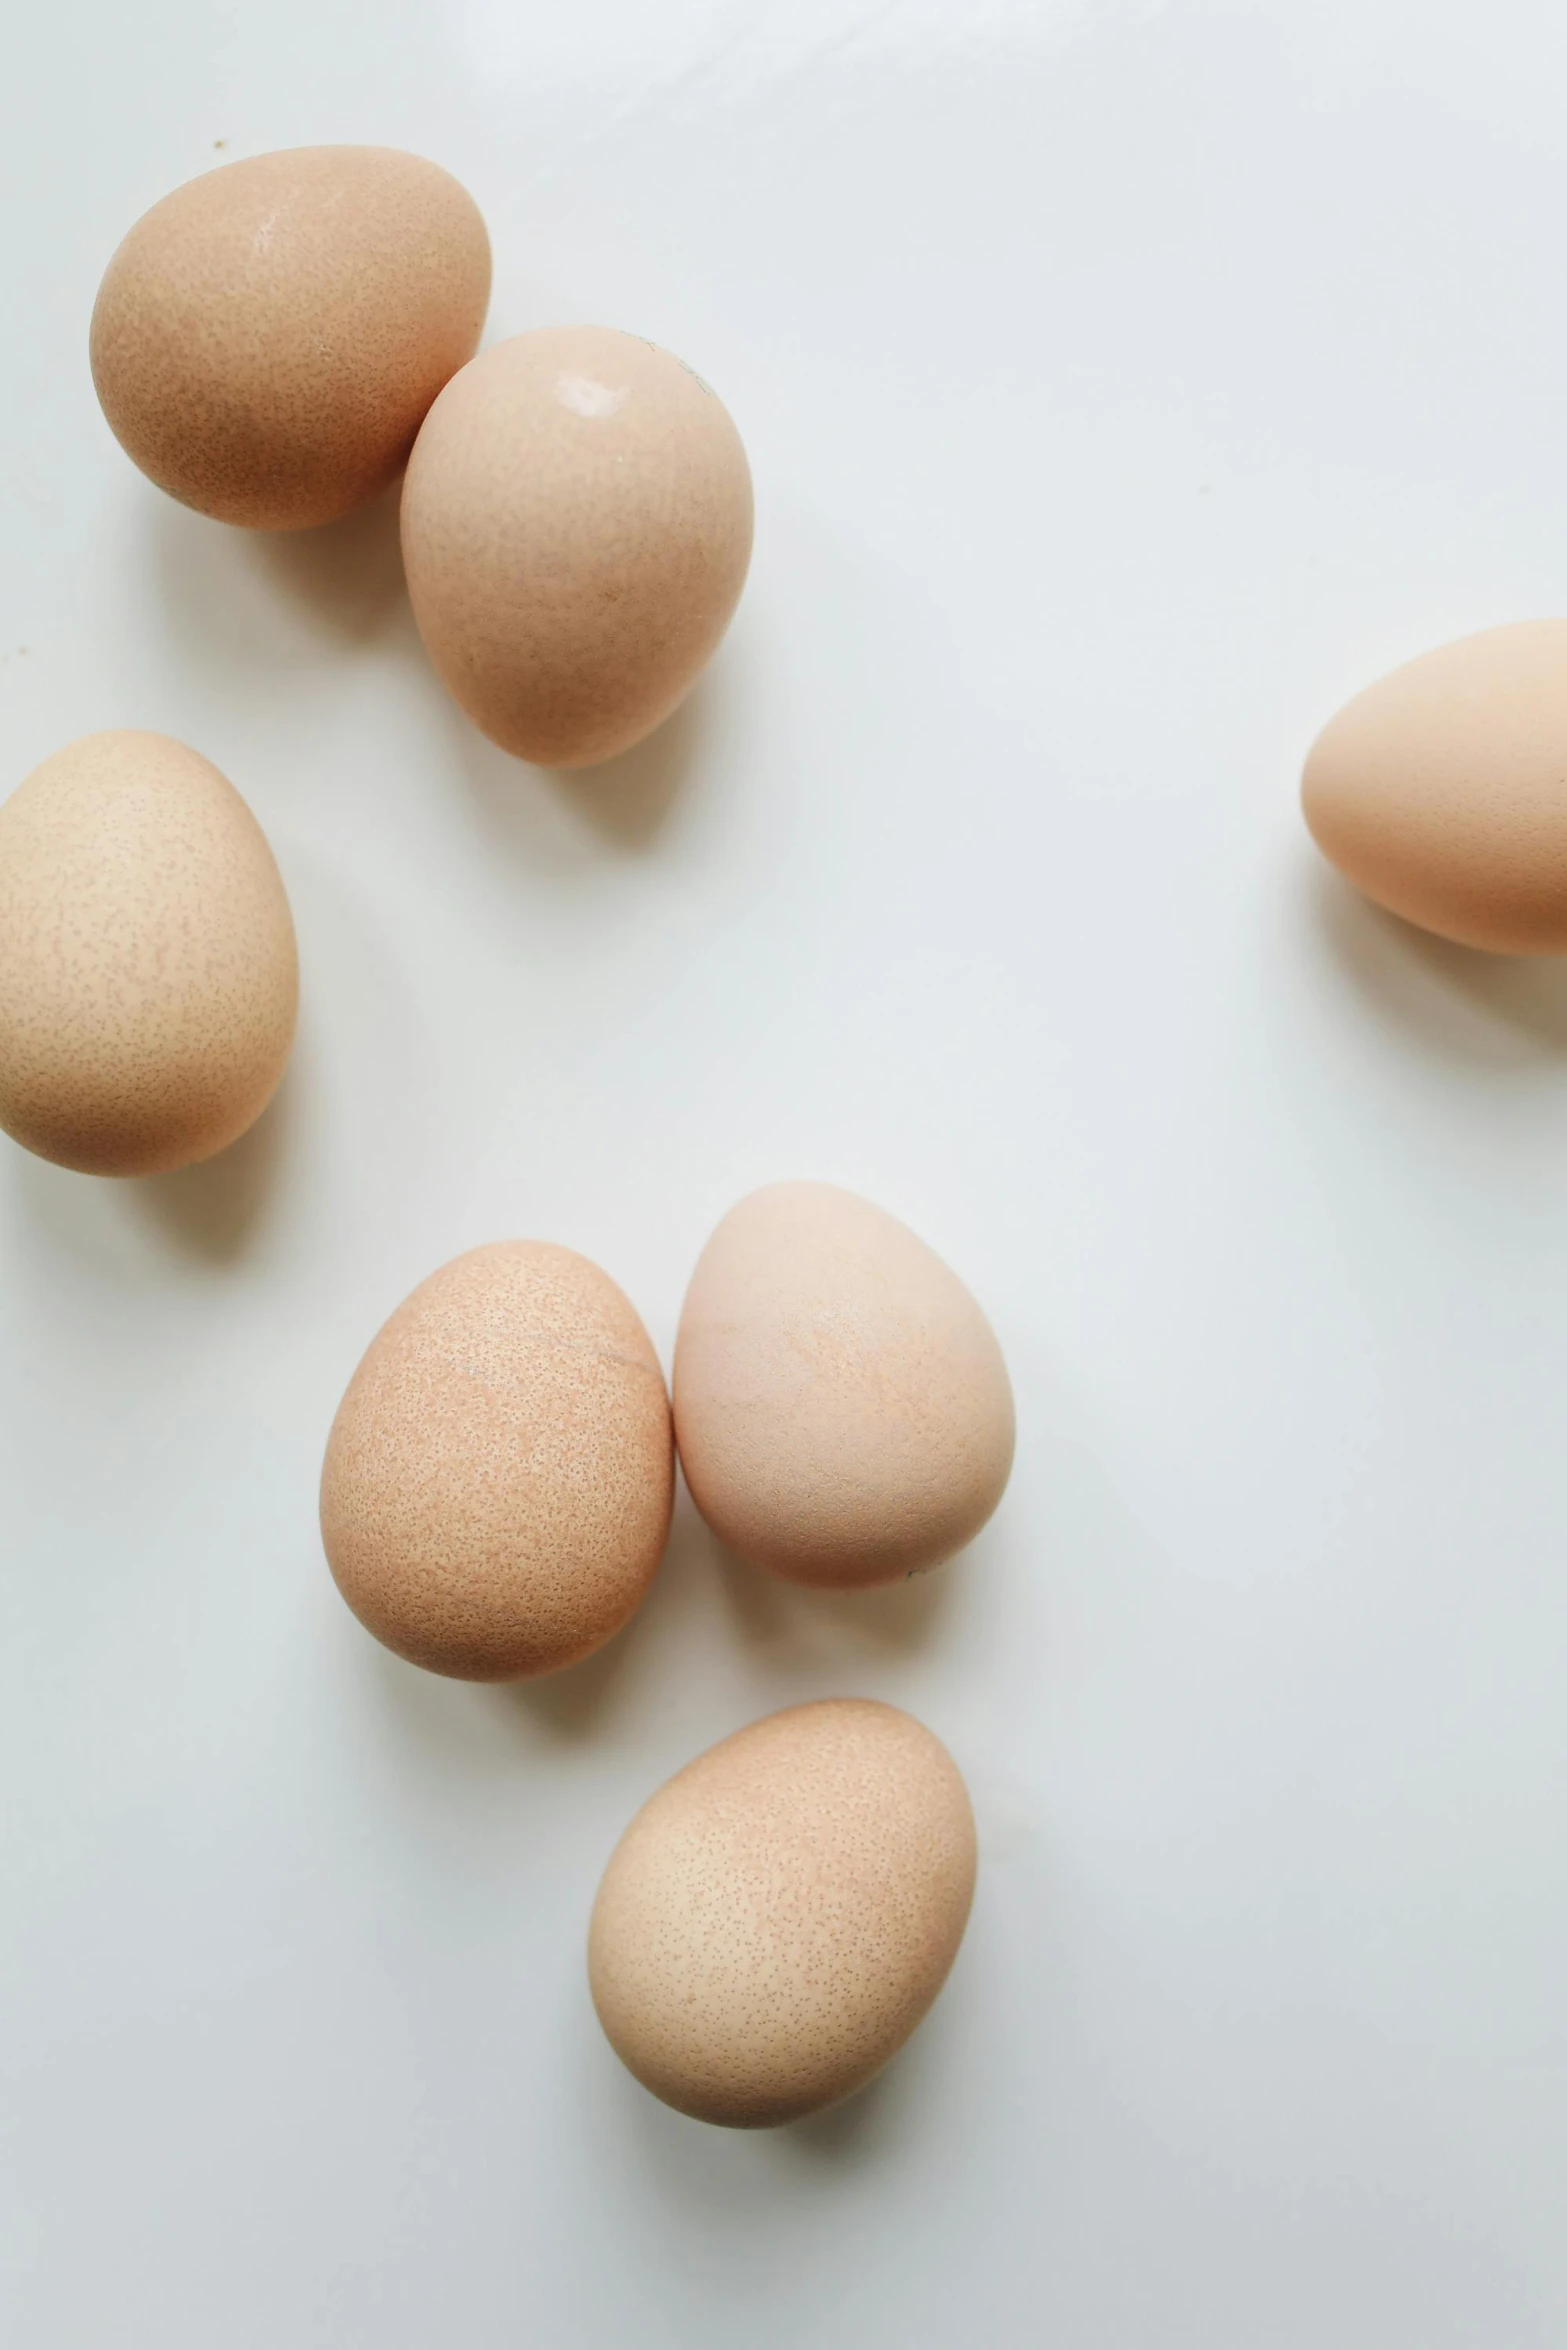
column 1125, row 384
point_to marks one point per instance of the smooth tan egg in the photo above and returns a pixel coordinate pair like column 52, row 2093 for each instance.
column 500, row 1475
column 576, row 531
column 148, row 974
column 1441, row 791
column 775, row 1922
column 842, row 1409
column 267, row 340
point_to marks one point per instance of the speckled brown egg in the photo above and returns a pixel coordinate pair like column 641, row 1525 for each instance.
column 500, row 1475
column 268, row 338
column 148, row 975
column 842, row 1408
column 576, row 531
column 1441, row 791
column 775, row 1922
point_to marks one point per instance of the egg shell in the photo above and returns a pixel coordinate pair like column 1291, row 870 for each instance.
column 268, row 338
column 148, row 974
column 576, row 530
column 776, row 1921
column 841, row 1405
column 1441, row 791
column 500, row 1476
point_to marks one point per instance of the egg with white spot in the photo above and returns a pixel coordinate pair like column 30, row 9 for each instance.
column 576, row 530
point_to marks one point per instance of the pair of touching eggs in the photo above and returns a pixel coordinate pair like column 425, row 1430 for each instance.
column 275, row 342
column 499, row 1480
column 496, row 1498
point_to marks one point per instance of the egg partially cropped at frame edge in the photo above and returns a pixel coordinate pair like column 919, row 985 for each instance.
column 576, row 532
column 267, row 339
column 1441, row 791
column 499, row 1479
column 148, row 975
column 777, row 1919
column 842, row 1408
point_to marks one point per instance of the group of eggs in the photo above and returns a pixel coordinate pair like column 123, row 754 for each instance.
column 495, row 1501
column 273, row 344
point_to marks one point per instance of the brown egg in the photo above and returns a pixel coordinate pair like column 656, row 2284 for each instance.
column 500, row 1475
column 267, row 340
column 148, row 975
column 576, row 531
column 775, row 1922
column 841, row 1406
column 1441, row 791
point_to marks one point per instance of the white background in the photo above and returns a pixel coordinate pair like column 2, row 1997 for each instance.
column 1125, row 384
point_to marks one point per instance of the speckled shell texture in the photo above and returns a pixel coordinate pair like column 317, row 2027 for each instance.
column 576, row 532
column 500, row 1476
column 776, row 1921
column 267, row 340
column 842, row 1408
column 148, row 974
column 1441, row 791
